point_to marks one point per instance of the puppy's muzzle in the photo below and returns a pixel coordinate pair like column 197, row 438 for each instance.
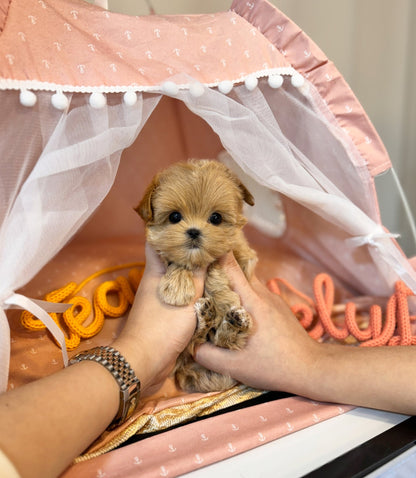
column 194, row 236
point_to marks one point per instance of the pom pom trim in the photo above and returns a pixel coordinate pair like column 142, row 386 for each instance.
column 196, row 89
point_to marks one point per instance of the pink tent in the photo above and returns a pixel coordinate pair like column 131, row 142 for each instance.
column 94, row 103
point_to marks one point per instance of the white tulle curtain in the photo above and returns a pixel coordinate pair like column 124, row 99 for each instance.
column 56, row 168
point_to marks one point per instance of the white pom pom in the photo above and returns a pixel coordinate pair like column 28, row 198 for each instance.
column 196, row 89
column 275, row 81
column 27, row 98
column 59, row 101
column 170, row 88
column 297, row 80
column 251, row 82
column 97, row 100
column 225, row 86
column 130, row 98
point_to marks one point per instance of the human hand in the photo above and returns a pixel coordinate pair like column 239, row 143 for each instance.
column 279, row 352
column 156, row 333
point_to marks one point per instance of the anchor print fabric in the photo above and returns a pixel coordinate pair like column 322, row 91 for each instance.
column 78, row 46
column 199, row 444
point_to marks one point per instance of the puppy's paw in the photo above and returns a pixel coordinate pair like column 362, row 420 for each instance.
column 234, row 329
column 177, row 288
column 205, row 314
column 238, row 317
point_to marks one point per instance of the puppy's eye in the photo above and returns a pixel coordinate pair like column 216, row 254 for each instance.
column 215, row 218
column 175, row 217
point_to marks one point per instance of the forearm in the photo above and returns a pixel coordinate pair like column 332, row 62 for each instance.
column 374, row 377
column 47, row 423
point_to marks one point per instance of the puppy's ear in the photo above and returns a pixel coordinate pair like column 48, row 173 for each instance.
column 145, row 209
column 247, row 196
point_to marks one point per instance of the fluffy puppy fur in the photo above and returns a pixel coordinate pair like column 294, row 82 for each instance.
column 193, row 216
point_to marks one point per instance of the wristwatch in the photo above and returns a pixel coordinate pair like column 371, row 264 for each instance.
column 120, row 369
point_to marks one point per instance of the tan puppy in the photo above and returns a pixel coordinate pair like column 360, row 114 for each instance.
column 193, row 216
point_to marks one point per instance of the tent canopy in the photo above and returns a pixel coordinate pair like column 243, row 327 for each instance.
column 78, row 84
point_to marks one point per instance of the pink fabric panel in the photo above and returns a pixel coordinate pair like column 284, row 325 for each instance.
column 76, row 44
column 306, row 57
column 201, row 443
column 4, row 8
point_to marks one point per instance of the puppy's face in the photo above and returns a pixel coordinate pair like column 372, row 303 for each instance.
column 193, row 212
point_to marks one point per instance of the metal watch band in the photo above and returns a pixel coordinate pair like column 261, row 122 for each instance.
column 120, row 369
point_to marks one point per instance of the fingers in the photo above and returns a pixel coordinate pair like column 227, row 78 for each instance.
column 213, row 358
column 199, row 281
column 238, row 280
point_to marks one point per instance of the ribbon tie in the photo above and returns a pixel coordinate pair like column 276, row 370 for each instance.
column 371, row 239
column 40, row 309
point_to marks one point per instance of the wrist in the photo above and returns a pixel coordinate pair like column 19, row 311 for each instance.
column 122, row 372
column 137, row 357
column 321, row 376
column 308, row 369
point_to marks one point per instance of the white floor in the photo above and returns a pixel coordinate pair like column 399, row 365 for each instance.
column 299, row 453
column 403, row 466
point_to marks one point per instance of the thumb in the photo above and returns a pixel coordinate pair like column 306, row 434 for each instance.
column 214, row 358
column 154, row 264
column 237, row 278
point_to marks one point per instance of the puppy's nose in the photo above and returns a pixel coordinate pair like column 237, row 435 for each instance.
column 193, row 233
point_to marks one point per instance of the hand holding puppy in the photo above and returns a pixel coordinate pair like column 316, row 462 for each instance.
column 279, row 353
column 155, row 329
